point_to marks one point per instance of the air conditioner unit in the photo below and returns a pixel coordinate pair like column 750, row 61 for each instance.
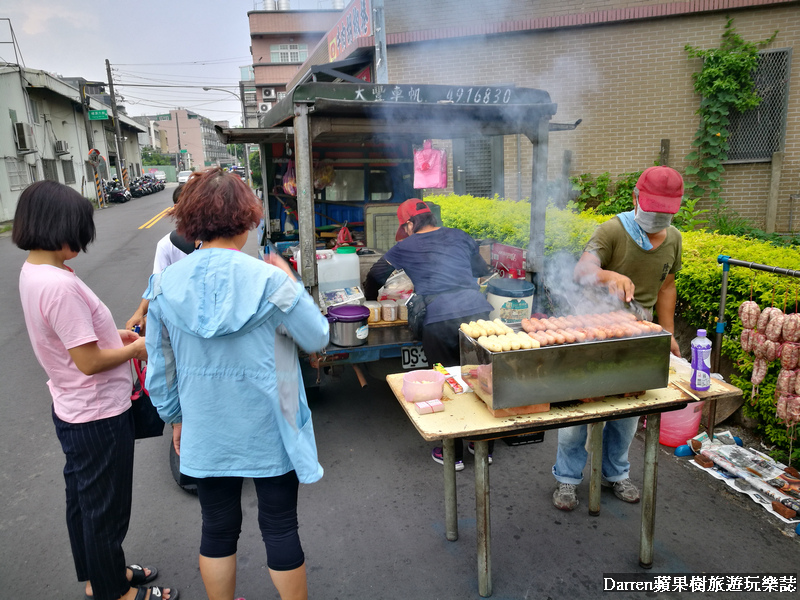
column 264, row 107
column 268, row 93
column 62, row 147
column 23, row 133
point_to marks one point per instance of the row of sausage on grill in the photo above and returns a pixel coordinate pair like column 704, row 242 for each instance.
column 585, row 328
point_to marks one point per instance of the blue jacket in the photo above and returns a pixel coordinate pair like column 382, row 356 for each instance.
column 221, row 333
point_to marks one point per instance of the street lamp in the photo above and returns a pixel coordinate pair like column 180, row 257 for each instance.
column 244, row 124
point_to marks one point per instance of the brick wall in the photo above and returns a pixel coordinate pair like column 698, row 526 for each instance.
column 629, row 81
column 288, row 21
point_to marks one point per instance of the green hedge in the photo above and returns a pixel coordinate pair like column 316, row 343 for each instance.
column 508, row 222
column 698, row 283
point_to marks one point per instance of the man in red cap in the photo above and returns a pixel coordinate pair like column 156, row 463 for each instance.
column 443, row 264
column 635, row 255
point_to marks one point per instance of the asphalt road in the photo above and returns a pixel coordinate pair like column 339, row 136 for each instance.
column 373, row 526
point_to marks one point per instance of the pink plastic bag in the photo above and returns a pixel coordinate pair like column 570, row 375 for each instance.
column 430, row 167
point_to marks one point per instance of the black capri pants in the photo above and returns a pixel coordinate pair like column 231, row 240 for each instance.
column 221, row 507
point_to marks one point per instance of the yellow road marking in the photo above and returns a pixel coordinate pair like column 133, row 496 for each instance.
column 156, row 219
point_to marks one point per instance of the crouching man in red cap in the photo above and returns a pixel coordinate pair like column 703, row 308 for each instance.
column 635, row 255
column 443, row 263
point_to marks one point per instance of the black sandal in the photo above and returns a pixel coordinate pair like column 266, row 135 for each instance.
column 139, row 577
column 155, row 593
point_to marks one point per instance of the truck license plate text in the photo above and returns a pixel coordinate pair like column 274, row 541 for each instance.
column 413, row 357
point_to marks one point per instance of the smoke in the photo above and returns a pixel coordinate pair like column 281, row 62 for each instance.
column 567, row 297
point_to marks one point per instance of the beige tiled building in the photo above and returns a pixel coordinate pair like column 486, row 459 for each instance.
column 618, row 66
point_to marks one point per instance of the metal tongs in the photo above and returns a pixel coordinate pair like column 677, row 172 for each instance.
column 642, row 313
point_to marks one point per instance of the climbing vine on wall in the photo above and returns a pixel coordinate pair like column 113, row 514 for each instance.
column 725, row 82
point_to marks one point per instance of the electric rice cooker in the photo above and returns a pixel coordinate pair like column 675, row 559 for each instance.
column 348, row 324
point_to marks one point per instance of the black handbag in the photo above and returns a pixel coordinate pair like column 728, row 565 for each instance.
column 146, row 422
column 417, row 306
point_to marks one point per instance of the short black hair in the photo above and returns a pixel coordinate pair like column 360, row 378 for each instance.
column 176, row 193
column 50, row 215
column 421, row 220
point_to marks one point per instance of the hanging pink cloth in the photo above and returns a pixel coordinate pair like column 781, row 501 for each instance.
column 430, row 167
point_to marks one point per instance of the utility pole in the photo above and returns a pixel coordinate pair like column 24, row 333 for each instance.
column 240, row 98
column 123, row 172
column 379, row 33
column 178, row 129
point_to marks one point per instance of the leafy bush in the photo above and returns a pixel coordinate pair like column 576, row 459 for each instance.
column 699, row 285
column 508, row 222
column 732, row 223
column 603, row 195
column 699, row 282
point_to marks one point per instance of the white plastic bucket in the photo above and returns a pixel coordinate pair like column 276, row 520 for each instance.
column 340, row 271
column 678, row 426
column 511, row 299
column 335, row 270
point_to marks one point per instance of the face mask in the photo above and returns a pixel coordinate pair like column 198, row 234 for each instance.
column 652, row 222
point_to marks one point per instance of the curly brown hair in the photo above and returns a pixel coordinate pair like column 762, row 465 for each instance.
column 215, row 204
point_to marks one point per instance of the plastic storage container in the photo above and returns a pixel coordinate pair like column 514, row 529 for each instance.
column 389, row 310
column 340, row 272
column 701, row 362
column 335, row 270
column 402, row 310
column 421, row 386
column 511, row 299
column 677, row 426
column 374, row 310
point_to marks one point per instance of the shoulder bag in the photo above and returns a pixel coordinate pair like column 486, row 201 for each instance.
column 146, row 422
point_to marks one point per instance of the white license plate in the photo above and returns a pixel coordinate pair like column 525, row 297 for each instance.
column 413, row 357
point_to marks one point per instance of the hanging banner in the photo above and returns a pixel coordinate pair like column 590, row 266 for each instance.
column 355, row 22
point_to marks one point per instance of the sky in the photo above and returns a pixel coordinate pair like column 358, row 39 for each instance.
column 192, row 44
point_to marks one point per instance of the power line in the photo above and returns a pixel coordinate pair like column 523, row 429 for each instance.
column 215, row 61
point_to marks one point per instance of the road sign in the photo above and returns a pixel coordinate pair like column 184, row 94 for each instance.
column 184, row 151
column 98, row 115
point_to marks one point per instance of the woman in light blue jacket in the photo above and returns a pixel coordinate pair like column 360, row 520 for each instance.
column 223, row 370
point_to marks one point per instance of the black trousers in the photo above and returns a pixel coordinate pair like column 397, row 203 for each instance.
column 99, row 480
column 221, row 507
column 440, row 342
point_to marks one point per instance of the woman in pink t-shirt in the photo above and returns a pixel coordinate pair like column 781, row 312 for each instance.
column 85, row 357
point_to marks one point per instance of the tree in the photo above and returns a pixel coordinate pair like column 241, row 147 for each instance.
column 151, row 157
column 255, row 168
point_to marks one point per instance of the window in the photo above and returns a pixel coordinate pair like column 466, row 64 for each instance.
column 50, row 167
column 69, row 171
column 17, row 174
column 246, row 73
column 35, row 107
column 281, row 95
column 288, row 53
column 348, row 186
column 756, row 134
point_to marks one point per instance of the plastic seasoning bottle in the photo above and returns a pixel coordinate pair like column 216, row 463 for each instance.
column 701, row 362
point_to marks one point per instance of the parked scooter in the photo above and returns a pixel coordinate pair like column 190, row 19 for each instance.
column 116, row 193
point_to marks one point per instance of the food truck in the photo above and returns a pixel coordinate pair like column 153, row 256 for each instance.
column 337, row 160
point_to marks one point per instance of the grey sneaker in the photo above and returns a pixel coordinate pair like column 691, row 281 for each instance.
column 624, row 490
column 565, row 497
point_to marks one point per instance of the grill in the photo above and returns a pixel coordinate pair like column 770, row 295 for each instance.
column 505, row 380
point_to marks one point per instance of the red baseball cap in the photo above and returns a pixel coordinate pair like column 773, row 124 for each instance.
column 409, row 208
column 660, row 190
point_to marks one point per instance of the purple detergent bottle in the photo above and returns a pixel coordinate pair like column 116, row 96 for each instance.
column 701, row 362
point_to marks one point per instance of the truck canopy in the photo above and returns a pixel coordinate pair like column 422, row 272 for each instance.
column 350, row 112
